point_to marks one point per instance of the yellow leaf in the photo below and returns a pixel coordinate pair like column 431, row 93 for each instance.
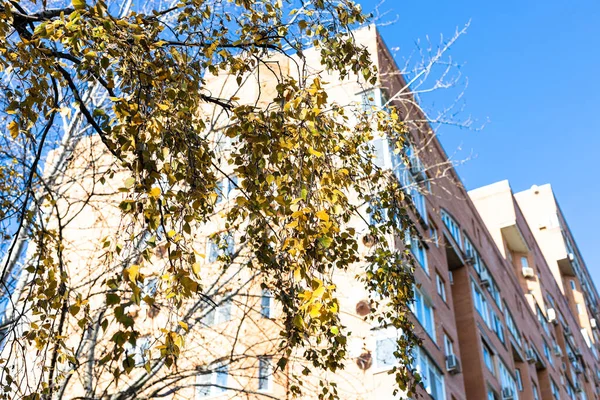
column 315, row 152
column 13, row 128
column 171, row 233
column 319, row 292
column 163, row 107
column 184, row 325
column 133, row 272
column 196, row 268
column 78, row 4
column 292, row 224
column 270, row 179
column 154, row 192
column 297, row 275
column 322, row 215
column 315, row 310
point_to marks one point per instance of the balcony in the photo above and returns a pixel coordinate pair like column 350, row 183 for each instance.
column 453, row 253
column 514, row 238
column 567, row 265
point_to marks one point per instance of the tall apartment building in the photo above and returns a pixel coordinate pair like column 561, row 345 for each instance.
column 503, row 311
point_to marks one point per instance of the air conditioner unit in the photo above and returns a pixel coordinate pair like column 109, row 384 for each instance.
column 551, row 315
column 567, row 330
column 578, row 352
column 558, row 351
column 528, row 272
column 593, row 323
column 452, row 364
column 571, row 256
column 469, row 260
column 507, row 394
column 530, row 356
column 578, row 388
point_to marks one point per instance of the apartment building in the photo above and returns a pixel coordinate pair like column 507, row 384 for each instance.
column 564, row 351
column 503, row 312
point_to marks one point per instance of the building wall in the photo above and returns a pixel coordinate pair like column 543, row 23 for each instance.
column 490, row 218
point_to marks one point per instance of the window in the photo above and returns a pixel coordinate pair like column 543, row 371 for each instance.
column 431, row 377
column 226, row 188
column 441, row 286
column 579, row 307
column 373, row 98
column 423, row 311
column 452, row 227
column 510, row 325
column 494, row 291
column 148, row 287
column 488, row 358
column 548, row 353
column 491, row 395
column 220, row 313
column 572, row 282
column 140, row 352
column 266, row 303
column 472, row 253
column 265, row 374
column 524, row 262
column 555, row 390
column 386, row 344
column 377, row 214
column 519, row 379
column 542, row 319
column 497, row 326
column 433, row 234
column 418, row 251
column 507, row 381
column 448, row 345
column 224, row 245
column 536, row 394
column 480, row 303
column 570, row 391
column 211, row 384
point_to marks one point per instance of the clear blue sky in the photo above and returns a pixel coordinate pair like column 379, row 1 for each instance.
column 534, row 71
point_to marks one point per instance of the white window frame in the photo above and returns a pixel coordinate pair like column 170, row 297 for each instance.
column 268, row 378
column 266, row 310
column 389, row 337
column 480, row 303
column 226, row 189
column 507, row 380
column 423, row 310
column 221, row 313
column 426, row 368
column 441, row 286
column 213, row 251
column 452, row 227
column 419, row 252
column 448, row 346
column 485, row 349
column 140, row 351
column 211, row 382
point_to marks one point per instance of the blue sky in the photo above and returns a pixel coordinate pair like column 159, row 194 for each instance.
column 533, row 69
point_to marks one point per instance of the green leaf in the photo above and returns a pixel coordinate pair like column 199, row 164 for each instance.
column 325, row 241
column 112, row 298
